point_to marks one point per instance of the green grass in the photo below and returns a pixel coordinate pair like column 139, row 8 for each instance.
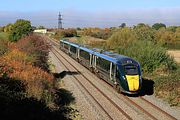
column 4, row 36
column 175, row 46
column 3, row 42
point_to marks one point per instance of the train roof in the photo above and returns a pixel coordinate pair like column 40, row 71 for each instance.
column 70, row 43
column 86, row 49
column 110, row 56
column 116, row 58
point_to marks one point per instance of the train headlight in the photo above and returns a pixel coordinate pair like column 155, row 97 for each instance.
column 124, row 77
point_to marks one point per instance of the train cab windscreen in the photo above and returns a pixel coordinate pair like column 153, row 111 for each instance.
column 131, row 70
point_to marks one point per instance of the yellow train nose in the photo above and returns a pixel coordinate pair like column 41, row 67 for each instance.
column 133, row 82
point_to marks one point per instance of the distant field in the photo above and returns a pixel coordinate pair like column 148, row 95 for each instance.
column 175, row 54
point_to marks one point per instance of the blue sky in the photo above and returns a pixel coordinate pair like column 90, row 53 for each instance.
column 91, row 13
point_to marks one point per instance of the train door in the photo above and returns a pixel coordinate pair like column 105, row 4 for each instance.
column 112, row 72
column 94, row 62
column 78, row 53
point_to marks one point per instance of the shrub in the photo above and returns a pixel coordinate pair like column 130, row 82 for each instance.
column 168, row 87
column 37, row 48
column 121, row 38
column 3, row 46
column 61, row 33
column 97, row 32
column 19, row 29
column 150, row 55
column 16, row 65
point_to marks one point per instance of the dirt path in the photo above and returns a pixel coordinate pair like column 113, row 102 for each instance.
column 175, row 54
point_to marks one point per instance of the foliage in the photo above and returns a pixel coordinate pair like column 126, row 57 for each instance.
column 151, row 56
column 19, row 29
column 172, row 28
column 4, row 36
column 164, row 36
column 17, row 65
column 97, row 32
column 8, row 27
column 1, row 29
column 157, row 26
column 168, row 87
column 144, row 32
column 122, row 38
column 16, row 105
column 61, row 33
column 122, row 25
column 37, row 48
column 3, row 43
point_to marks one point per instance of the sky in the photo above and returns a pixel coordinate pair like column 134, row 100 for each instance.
column 91, row 13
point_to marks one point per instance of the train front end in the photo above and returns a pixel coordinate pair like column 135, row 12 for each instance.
column 130, row 76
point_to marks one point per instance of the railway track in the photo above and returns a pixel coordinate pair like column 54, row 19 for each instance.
column 126, row 115
column 131, row 101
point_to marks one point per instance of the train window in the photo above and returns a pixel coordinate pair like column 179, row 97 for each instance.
column 117, row 72
column 66, row 46
column 73, row 49
column 104, row 64
column 131, row 70
column 85, row 54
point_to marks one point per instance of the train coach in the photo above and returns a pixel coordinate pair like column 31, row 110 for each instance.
column 120, row 71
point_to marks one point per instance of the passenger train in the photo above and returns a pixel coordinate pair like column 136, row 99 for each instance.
column 120, row 71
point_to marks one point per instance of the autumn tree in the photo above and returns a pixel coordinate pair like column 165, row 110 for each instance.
column 164, row 36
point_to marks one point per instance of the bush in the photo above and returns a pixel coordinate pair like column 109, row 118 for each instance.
column 97, row 32
column 168, row 87
column 121, row 38
column 3, row 46
column 16, row 65
column 19, row 29
column 150, row 55
column 37, row 48
column 65, row 33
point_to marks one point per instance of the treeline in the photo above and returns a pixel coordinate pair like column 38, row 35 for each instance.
column 159, row 33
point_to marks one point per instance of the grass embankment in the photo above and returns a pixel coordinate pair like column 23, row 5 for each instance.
column 27, row 88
